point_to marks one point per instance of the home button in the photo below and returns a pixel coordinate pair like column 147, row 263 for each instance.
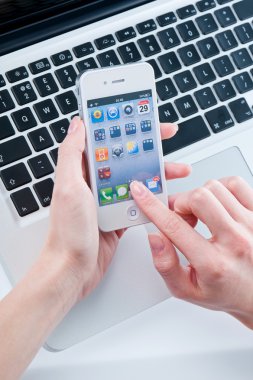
column 133, row 213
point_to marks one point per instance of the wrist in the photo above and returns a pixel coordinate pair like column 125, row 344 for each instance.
column 245, row 318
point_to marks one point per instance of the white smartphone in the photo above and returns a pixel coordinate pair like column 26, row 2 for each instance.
column 123, row 141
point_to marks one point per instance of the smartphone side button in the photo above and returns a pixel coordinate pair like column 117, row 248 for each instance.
column 133, row 213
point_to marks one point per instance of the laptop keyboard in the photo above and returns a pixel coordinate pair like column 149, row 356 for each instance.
column 186, row 83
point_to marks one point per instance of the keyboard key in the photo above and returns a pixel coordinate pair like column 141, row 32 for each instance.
column 67, row 102
column 219, row 119
column 38, row 67
column 223, row 66
column 13, row 150
column 189, row 132
column 62, row 58
column 24, row 119
column 169, row 62
column 221, row 2
column 157, row 70
column 6, row 102
column 188, row 31
column 205, row 5
column 46, row 85
column 189, row 55
column 241, row 110
column 109, row 58
column 166, row 89
column 17, row 74
column 46, row 111
column 187, row 11
column 126, row 34
column 244, row 33
column 225, row 17
column 204, row 73
column 224, row 90
column 207, row 23
column 24, row 201
column 2, row 81
column 167, row 113
column 15, row 176
column 168, row 38
column 205, row 98
column 129, row 53
column 244, row 9
column 40, row 166
column 66, row 76
column 185, row 81
column 24, row 93
column 105, row 42
column 86, row 64
column 6, row 129
column 146, row 26
column 242, row 58
column 208, row 47
column 40, row 139
column 60, row 129
column 227, row 40
column 149, row 46
column 243, row 83
column 83, row 50
column 166, row 19
column 54, row 155
column 44, row 191
column 186, row 106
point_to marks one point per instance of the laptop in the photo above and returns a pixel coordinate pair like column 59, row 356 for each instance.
column 202, row 56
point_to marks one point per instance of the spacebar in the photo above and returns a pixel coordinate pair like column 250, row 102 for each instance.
column 244, row 9
column 189, row 132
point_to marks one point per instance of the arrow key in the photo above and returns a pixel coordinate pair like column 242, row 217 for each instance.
column 15, row 176
column 241, row 110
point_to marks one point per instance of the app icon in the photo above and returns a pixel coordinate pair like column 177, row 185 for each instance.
column 153, row 184
column 143, row 107
column 97, row 116
column 122, row 192
column 115, row 131
column 101, row 154
column 148, row 145
column 106, row 195
column 130, row 128
column 132, row 147
column 99, row 134
column 112, row 113
column 104, row 173
column 146, row 126
column 117, row 151
column 128, row 109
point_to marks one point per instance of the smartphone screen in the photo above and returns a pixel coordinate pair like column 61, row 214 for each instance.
column 124, row 144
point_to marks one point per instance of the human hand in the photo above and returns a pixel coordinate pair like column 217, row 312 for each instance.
column 220, row 271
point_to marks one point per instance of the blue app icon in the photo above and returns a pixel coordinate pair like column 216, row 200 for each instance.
column 146, row 126
column 130, row 128
column 132, row 147
column 99, row 134
column 148, row 145
column 115, row 131
column 152, row 185
column 112, row 113
column 97, row 115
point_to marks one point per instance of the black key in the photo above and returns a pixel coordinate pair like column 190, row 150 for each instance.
column 60, row 129
column 169, row 62
column 44, row 191
column 207, row 23
column 54, row 155
column 83, row 50
column 205, row 98
column 66, row 76
column 24, row 93
column 227, row 40
column 169, row 38
column 242, row 58
column 223, row 66
column 219, row 119
column 62, row 58
column 185, row 81
column 189, row 132
column 224, row 90
column 188, row 31
column 2, row 81
column 24, row 201
column 149, row 46
column 241, row 110
column 6, row 102
column 243, row 82
column 126, row 34
column 13, row 150
column 187, row 11
column 129, row 53
column 17, row 74
column 166, row 19
column 166, row 89
column 24, row 119
column 205, row 5
column 67, row 102
column 157, row 70
column 86, row 64
column 146, row 26
column 244, row 33
column 221, row 2
column 15, row 176
column 46, row 111
column 186, row 106
column 225, row 16
column 6, row 129
column 189, row 55
column 46, row 85
column 40, row 166
column 39, row 66
column 208, row 47
column 167, row 113
column 251, row 48
column 108, row 58
column 40, row 139
column 105, row 42
column 204, row 73
column 244, row 9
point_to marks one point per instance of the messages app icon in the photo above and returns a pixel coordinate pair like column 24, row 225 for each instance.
column 122, row 192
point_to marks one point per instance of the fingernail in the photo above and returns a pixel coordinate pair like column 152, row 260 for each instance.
column 156, row 243
column 73, row 125
column 138, row 189
column 175, row 126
